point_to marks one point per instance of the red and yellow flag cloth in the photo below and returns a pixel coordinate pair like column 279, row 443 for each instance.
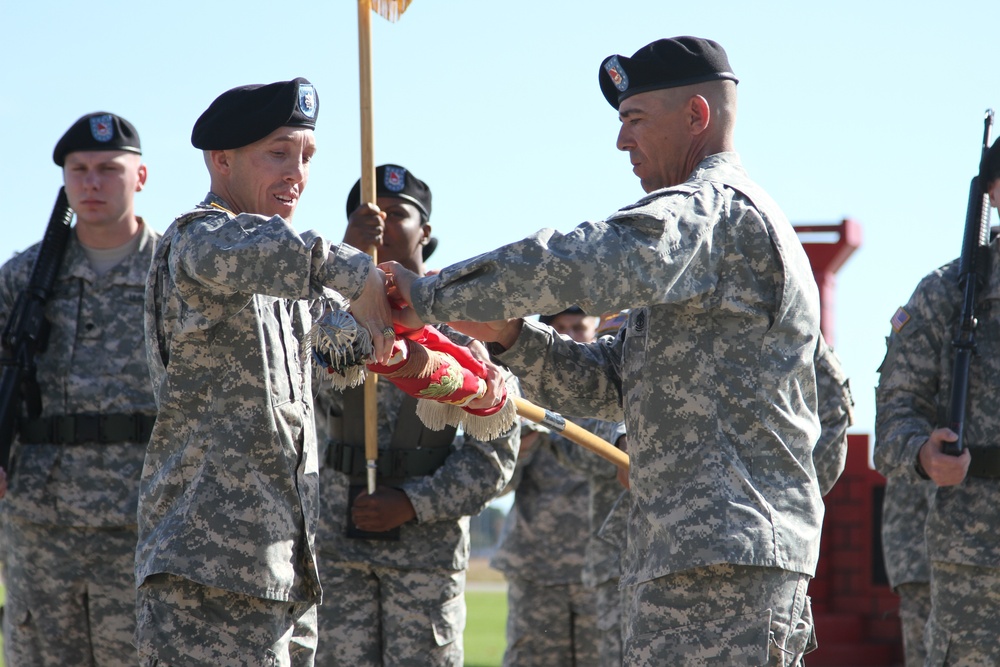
column 424, row 364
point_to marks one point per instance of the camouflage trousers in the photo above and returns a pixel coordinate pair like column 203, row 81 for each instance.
column 550, row 626
column 70, row 595
column 609, row 623
column 914, row 609
column 965, row 616
column 388, row 617
column 719, row 616
column 180, row 623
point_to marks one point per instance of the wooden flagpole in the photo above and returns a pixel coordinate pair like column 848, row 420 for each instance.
column 390, row 9
column 571, row 431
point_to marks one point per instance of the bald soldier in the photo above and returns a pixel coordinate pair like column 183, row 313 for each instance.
column 714, row 370
column 228, row 505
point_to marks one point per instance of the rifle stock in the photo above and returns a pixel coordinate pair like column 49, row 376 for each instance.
column 26, row 328
column 973, row 269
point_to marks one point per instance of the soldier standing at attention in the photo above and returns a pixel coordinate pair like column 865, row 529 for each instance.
column 912, row 402
column 69, row 512
column 552, row 614
column 396, row 561
column 714, row 371
column 229, row 499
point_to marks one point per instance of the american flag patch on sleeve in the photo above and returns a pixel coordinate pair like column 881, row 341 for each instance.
column 899, row 320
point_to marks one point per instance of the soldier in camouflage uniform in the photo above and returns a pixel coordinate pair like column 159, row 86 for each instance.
column 397, row 568
column 912, row 401
column 714, row 370
column 545, row 547
column 69, row 514
column 229, row 502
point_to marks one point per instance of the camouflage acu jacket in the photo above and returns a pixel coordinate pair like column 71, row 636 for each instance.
column 912, row 400
column 714, row 368
column 229, row 492
column 95, row 362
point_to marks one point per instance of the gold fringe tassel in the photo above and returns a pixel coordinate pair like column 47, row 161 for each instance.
column 437, row 416
column 390, row 9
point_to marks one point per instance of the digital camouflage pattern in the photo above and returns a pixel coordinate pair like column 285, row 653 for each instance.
column 402, row 602
column 70, row 509
column 184, row 623
column 551, row 614
column 550, row 626
column 70, row 595
column 836, row 414
column 714, row 368
column 94, row 363
column 602, row 559
column 229, row 494
column 722, row 615
column 912, row 400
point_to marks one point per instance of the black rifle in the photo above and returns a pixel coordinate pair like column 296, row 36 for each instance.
column 973, row 269
column 27, row 329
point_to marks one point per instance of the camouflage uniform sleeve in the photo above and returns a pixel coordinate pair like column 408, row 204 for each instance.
column 909, row 377
column 251, row 254
column 582, row 460
column 472, row 476
column 659, row 253
column 836, row 414
column 572, row 378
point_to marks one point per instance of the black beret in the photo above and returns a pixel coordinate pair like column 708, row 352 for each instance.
column 391, row 180
column 991, row 164
column 98, row 131
column 666, row 63
column 572, row 310
column 243, row 115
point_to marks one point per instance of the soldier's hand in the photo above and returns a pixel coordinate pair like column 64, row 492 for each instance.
column 365, row 227
column 400, row 280
column 495, row 387
column 371, row 310
column 944, row 469
column 386, row 509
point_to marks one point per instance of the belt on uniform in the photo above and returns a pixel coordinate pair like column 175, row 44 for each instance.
column 985, row 462
column 81, row 429
column 415, row 462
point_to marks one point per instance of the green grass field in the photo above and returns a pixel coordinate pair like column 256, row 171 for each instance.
column 484, row 629
column 485, row 623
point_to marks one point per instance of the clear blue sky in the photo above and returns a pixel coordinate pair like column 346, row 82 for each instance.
column 867, row 110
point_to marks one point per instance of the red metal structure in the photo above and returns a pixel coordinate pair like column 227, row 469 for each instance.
column 857, row 620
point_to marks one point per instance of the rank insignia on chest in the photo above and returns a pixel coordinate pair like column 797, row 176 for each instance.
column 899, row 320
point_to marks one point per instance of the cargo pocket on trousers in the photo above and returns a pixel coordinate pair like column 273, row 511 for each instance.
column 448, row 622
column 735, row 641
column 158, row 625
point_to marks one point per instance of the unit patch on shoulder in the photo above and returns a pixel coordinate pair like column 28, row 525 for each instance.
column 899, row 320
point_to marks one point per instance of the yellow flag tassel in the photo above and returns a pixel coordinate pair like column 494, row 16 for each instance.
column 390, row 9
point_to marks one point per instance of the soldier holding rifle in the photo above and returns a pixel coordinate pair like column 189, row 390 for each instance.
column 916, row 426
column 69, row 514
